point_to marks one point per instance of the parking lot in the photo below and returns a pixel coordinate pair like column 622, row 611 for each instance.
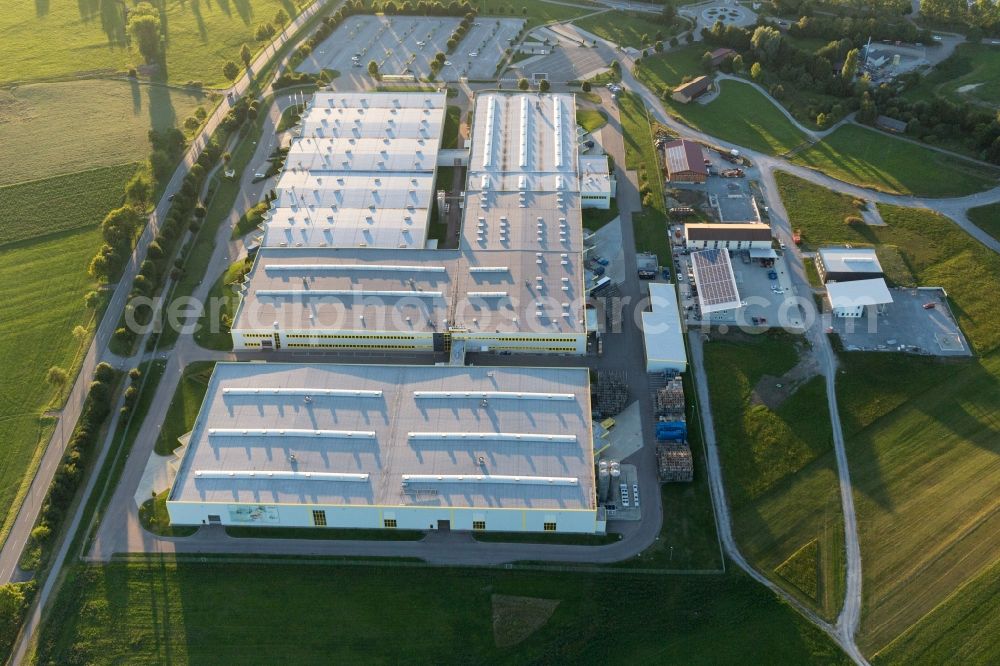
column 406, row 46
column 905, row 326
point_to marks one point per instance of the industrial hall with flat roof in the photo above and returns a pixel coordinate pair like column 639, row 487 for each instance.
column 345, row 264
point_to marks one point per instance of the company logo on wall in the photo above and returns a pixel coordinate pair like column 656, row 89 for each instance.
column 253, row 514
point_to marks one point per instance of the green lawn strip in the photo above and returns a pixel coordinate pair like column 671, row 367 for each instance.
column 874, row 159
column 987, row 218
column 223, row 299
column 250, row 220
column 319, row 533
column 595, row 218
column 926, row 478
column 591, row 119
column 536, row 537
column 153, row 517
column 289, row 117
column 650, row 225
column 974, row 65
column 778, row 463
column 630, row 29
column 539, row 11
column 211, row 612
column 38, row 208
column 962, row 630
column 42, row 285
column 742, row 116
column 100, row 123
column 452, row 121
column 199, row 39
column 184, row 406
column 811, row 273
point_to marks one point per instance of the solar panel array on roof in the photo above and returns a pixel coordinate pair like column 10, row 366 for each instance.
column 713, row 275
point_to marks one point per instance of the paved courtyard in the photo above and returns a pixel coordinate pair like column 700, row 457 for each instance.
column 905, row 326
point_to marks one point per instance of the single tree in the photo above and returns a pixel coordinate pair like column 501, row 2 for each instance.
column 230, row 70
column 56, row 376
column 144, row 29
column 738, row 64
column 756, row 72
column 281, row 18
column 669, row 13
column 543, row 85
column 246, row 55
column 523, row 84
column 706, row 62
column 850, row 68
column 585, row 87
column 373, row 68
column 80, row 333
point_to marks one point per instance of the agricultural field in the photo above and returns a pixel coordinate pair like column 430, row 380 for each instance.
column 42, row 284
column 60, row 40
column 758, row 126
column 668, row 70
column 971, row 74
column 921, row 433
column 58, row 128
column 630, row 28
column 777, row 455
column 211, row 613
column 39, row 208
column 870, row 158
column 987, row 218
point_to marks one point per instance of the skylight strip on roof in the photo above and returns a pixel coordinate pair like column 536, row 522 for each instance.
column 492, row 478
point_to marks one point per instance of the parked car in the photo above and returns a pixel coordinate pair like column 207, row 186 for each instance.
column 928, row 306
column 772, row 275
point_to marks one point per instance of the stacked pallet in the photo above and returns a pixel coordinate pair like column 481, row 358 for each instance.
column 674, row 463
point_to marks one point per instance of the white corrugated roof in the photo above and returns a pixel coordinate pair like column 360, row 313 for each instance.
column 858, row 292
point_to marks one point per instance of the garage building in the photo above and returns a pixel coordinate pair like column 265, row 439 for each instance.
column 843, row 264
column 691, row 90
column 685, row 162
column 391, row 447
column 662, row 333
column 854, row 298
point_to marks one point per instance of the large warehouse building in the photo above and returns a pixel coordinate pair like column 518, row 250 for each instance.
column 516, row 282
column 376, row 446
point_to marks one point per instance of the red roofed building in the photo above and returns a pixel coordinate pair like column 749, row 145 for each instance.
column 685, row 162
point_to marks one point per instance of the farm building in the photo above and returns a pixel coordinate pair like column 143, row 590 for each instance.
column 719, row 56
column 662, row 334
column 852, row 299
column 691, row 90
column 728, row 236
column 384, row 447
column 685, row 162
column 843, row 264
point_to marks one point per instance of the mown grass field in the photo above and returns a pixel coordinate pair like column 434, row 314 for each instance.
column 871, row 158
column 57, row 128
column 987, row 218
column 971, row 73
column 629, row 28
column 742, row 116
column 667, row 70
column 591, row 119
column 184, row 405
column 922, row 437
column 38, row 208
column 539, row 12
column 48, row 40
column 650, row 225
column 779, row 467
column 42, row 285
column 214, row 613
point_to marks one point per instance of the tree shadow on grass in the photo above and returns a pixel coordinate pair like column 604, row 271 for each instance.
column 162, row 114
column 88, row 8
column 244, row 9
column 41, row 8
column 224, row 6
column 199, row 20
column 112, row 22
column 133, row 85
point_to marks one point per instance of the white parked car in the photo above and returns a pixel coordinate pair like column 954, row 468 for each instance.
column 421, row 43
column 635, row 494
column 623, row 489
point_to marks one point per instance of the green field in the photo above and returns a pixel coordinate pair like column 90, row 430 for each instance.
column 42, row 284
column 57, row 128
column 971, row 73
column 591, row 119
column 223, row 299
column 780, row 472
column 629, row 28
column 213, row 613
column 452, row 123
column 650, row 225
column 539, row 11
column 742, row 116
column 184, row 405
column 41, row 207
column 987, row 218
column 667, row 70
column 49, row 40
column 870, row 158
column 961, row 630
